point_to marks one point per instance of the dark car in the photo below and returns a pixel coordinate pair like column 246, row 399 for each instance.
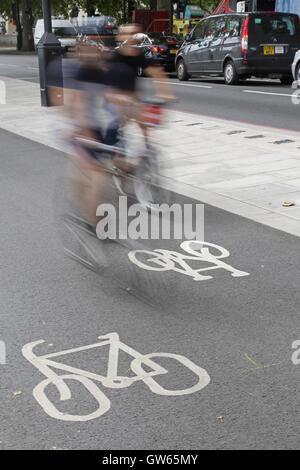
column 241, row 45
column 101, row 30
column 161, row 48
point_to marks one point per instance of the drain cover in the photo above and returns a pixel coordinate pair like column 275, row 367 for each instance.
column 260, row 136
column 286, row 141
column 235, row 132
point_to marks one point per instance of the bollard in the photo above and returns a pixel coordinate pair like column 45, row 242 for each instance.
column 50, row 66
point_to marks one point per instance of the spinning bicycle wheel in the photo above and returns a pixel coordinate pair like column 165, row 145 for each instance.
column 79, row 242
column 148, row 191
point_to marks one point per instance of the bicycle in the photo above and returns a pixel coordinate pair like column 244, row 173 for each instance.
column 112, row 379
column 141, row 185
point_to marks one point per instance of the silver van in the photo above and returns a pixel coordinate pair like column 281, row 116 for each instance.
column 63, row 30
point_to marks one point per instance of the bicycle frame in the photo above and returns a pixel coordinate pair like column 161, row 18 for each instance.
column 111, row 380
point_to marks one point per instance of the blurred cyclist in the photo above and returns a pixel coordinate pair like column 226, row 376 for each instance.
column 84, row 103
column 129, row 56
column 122, row 79
column 128, row 53
column 107, row 88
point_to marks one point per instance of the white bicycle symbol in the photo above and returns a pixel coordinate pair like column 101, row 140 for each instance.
column 165, row 260
column 111, row 380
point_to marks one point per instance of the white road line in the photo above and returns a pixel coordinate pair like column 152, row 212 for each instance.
column 266, row 93
column 183, row 84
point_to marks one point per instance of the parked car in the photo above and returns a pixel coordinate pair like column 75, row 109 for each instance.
column 102, row 34
column 161, row 48
column 296, row 68
column 63, row 30
column 241, row 45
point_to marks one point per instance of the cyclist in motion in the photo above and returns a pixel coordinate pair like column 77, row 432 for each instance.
column 100, row 98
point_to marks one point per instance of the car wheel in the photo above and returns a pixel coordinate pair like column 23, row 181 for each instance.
column 286, row 80
column 298, row 73
column 181, row 71
column 230, row 74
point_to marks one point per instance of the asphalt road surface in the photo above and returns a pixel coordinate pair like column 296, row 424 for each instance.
column 232, row 335
column 263, row 102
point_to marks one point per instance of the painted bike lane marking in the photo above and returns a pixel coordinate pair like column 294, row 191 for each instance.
column 45, row 364
column 165, row 260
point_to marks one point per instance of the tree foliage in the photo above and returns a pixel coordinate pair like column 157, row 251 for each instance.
column 105, row 7
column 63, row 7
column 208, row 5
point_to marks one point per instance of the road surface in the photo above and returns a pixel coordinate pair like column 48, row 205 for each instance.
column 232, row 334
column 263, row 102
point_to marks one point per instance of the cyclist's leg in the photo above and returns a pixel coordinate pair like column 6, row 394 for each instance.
column 95, row 193
column 77, row 179
column 127, row 113
column 135, row 113
column 87, row 183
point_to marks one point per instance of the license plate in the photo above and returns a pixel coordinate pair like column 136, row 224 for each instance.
column 269, row 50
column 173, row 51
column 279, row 50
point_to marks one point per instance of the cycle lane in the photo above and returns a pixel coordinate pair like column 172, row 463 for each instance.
column 239, row 330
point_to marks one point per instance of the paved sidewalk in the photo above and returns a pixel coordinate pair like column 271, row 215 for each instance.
column 12, row 50
column 246, row 169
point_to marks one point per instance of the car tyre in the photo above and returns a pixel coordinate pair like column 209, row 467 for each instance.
column 298, row 73
column 230, row 74
column 181, row 71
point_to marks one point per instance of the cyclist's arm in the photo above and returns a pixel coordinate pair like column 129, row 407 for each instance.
column 121, row 97
column 76, row 114
column 162, row 87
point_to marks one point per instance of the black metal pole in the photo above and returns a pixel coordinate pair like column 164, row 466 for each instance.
column 171, row 16
column 50, row 63
column 18, row 27
column 124, row 11
column 47, row 16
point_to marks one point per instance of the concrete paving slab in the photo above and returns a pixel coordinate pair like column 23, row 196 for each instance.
column 217, row 150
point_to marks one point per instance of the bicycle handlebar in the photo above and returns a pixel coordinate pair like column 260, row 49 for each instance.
column 157, row 101
column 96, row 145
column 154, row 102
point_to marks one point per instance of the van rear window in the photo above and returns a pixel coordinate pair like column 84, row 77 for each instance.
column 270, row 25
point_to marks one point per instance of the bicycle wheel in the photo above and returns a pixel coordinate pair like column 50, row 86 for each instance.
column 78, row 240
column 148, row 187
column 39, row 393
column 145, row 180
column 203, row 379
